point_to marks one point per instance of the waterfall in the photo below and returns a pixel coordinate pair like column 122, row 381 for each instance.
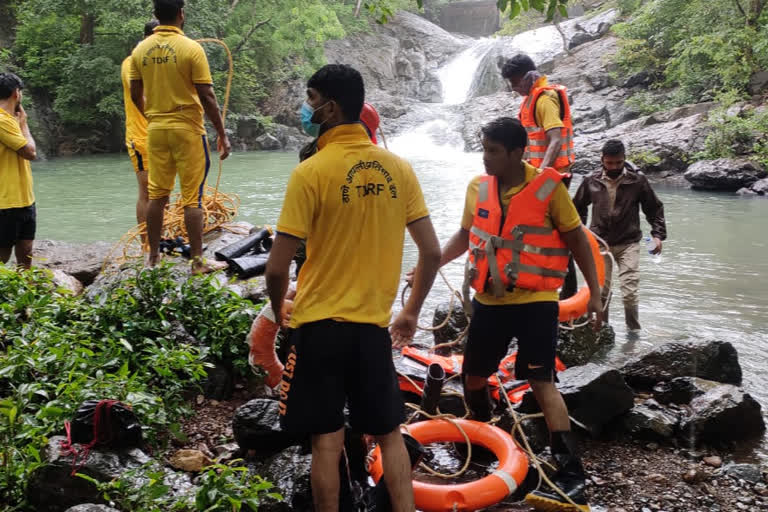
column 456, row 77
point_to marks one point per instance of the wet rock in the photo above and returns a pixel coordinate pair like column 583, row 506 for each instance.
column 579, row 38
column 758, row 82
column 267, row 142
column 759, row 188
column 713, row 461
column 399, row 58
column 456, row 324
column 192, row 461
column 579, row 346
column 724, row 174
column 594, row 395
column 722, row 414
column 651, row 421
column 90, row 507
column 290, row 137
column 256, row 426
column 220, row 381
column 712, row 359
column 748, row 472
column 66, row 281
column 289, row 472
column 53, row 488
column 81, row 261
column 681, row 390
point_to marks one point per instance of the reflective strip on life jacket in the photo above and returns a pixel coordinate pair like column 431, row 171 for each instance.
column 537, row 136
column 496, row 252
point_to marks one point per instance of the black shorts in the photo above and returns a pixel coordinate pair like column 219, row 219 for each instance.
column 17, row 224
column 493, row 327
column 331, row 364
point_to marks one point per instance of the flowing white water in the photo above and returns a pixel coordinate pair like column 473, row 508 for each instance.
column 456, row 76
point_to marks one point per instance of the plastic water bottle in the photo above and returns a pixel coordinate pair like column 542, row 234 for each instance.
column 650, row 245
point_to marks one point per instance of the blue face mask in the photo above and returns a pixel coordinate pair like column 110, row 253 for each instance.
column 307, row 112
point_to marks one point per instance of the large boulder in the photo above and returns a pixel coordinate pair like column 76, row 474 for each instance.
column 582, row 344
column 289, row 471
column 66, row 281
column 725, row 413
column 682, row 390
column 712, row 360
column 53, row 488
column 594, row 394
column 399, row 58
column 724, row 174
column 267, row 142
column 455, row 325
column 81, row 261
column 651, row 421
column 256, row 426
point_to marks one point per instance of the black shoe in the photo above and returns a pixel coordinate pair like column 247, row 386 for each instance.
column 551, row 501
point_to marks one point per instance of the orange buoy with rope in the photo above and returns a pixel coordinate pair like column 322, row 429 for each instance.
column 513, row 466
column 576, row 306
column 261, row 340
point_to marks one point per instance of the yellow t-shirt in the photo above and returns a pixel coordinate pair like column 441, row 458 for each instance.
column 135, row 122
column 170, row 64
column 351, row 201
column 562, row 215
column 547, row 113
column 15, row 172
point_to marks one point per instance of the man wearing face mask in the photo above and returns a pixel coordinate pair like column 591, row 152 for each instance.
column 18, row 217
column 352, row 202
column 546, row 115
column 617, row 192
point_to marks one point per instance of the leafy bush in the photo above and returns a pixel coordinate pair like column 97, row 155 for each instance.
column 223, row 488
column 697, row 45
column 744, row 133
column 57, row 351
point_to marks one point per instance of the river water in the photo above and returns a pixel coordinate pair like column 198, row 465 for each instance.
column 710, row 284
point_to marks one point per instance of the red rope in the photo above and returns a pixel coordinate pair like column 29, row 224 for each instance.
column 101, row 435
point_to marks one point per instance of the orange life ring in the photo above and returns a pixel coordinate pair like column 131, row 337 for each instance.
column 576, row 306
column 513, row 466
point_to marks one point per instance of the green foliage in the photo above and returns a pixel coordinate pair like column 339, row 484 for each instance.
column 223, row 488
column 549, row 7
column 697, row 45
column 57, row 351
column 644, row 158
column 226, row 487
column 736, row 134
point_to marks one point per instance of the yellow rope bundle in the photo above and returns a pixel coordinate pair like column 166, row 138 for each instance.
column 218, row 208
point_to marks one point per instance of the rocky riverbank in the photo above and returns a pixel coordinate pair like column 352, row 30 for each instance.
column 668, row 430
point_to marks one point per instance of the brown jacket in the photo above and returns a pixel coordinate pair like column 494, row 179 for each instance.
column 622, row 224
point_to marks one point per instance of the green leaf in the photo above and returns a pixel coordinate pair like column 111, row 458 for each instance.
column 515, row 10
column 127, row 345
column 563, row 11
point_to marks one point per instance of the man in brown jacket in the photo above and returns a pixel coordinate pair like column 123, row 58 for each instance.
column 617, row 193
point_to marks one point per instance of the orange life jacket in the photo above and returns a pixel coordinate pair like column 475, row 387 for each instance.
column 523, row 252
column 537, row 136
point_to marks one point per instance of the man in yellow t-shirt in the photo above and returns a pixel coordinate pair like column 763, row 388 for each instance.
column 352, row 202
column 18, row 217
column 136, row 133
column 523, row 77
column 530, row 316
column 172, row 85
